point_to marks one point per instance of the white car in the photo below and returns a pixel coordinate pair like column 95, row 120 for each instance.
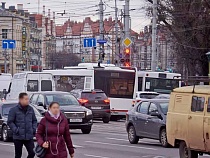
column 144, row 95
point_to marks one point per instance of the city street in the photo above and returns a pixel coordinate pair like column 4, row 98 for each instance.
column 107, row 141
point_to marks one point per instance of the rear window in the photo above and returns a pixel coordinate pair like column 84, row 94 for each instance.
column 6, row 108
column 148, row 95
column 46, row 85
column 93, row 95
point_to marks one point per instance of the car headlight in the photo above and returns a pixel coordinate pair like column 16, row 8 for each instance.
column 89, row 112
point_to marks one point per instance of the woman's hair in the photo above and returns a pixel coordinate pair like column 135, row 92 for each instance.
column 51, row 104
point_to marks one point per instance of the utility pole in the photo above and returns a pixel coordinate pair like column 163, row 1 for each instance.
column 154, row 32
column 101, row 51
column 116, row 35
column 12, row 49
column 5, row 61
column 127, row 19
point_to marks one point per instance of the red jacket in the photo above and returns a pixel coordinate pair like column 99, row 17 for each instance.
column 64, row 138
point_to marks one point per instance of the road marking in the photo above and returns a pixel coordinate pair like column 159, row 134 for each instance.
column 77, row 146
column 125, row 140
column 5, row 144
column 95, row 156
column 117, row 139
column 121, row 145
column 109, row 133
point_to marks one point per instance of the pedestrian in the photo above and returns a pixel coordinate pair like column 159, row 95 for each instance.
column 22, row 121
column 58, row 134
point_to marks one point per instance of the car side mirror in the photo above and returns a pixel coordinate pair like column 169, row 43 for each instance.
column 4, row 91
column 42, row 113
column 156, row 114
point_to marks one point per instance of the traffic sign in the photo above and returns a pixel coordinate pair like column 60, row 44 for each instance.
column 127, row 42
column 101, row 41
column 8, row 44
column 89, row 42
column 122, row 60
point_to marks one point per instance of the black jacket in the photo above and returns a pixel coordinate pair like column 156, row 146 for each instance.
column 23, row 124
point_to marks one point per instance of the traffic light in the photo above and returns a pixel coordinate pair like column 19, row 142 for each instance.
column 127, row 54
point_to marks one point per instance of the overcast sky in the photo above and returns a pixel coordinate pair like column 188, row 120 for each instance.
column 79, row 9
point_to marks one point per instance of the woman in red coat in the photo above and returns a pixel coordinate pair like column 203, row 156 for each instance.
column 58, row 135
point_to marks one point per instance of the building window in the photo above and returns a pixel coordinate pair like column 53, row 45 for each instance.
column 4, row 33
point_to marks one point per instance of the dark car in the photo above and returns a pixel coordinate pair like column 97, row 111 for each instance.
column 148, row 120
column 78, row 116
column 5, row 132
column 95, row 100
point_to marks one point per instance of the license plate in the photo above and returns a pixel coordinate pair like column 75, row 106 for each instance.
column 75, row 120
column 95, row 108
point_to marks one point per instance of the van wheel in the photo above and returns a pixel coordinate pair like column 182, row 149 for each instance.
column 185, row 152
column 132, row 137
column 163, row 138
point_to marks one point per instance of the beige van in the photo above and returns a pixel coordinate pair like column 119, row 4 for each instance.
column 188, row 120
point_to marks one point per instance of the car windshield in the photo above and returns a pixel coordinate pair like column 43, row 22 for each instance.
column 93, row 95
column 164, row 107
column 62, row 99
column 148, row 95
column 6, row 108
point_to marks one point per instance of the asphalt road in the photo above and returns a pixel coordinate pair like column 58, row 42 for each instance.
column 107, row 141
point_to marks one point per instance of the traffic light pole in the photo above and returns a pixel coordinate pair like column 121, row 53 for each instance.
column 116, row 36
column 101, row 49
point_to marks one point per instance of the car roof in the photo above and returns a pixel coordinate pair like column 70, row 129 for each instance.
column 200, row 89
column 90, row 90
column 51, row 92
column 149, row 92
column 156, row 100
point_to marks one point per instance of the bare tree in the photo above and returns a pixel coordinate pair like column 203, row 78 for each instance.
column 189, row 23
column 61, row 59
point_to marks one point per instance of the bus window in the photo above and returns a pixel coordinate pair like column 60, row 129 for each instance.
column 161, row 85
column 115, row 86
column 46, row 85
column 140, row 82
column 32, row 86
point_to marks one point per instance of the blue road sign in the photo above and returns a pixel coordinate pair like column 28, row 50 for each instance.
column 8, row 44
column 89, row 42
column 108, row 62
column 101, row 41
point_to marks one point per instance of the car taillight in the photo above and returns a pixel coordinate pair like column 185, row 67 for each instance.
column 83, row 101
column 107, row 101
column 138, row 101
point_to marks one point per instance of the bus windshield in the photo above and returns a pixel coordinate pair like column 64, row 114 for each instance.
column 160, row 85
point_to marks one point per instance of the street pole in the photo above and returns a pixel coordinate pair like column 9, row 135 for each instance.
column 12, row 49
column 154, row 32
column 116, row 35
column 127, row 19
column 5, row 61
column 101, row 10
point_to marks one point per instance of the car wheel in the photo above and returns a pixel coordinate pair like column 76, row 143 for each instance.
column 163, row 138
column 5, row 137
column 106, row 120
column 86, row 130
column 132, row 137
column 185, row 152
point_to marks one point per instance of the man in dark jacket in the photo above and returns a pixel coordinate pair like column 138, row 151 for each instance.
column 22, row 121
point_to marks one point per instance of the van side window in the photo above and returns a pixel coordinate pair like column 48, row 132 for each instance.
column 197, row 104
column 208, row 108
column 46, row 85
column 32, row 86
